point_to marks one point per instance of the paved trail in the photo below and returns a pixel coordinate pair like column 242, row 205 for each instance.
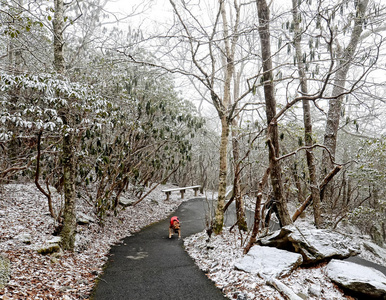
column 149, row 265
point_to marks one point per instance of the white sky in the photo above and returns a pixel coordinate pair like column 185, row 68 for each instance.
column 151, row 15
column 143, row 13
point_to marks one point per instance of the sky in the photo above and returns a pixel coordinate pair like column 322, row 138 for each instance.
column 142, row 12
column 151, row 15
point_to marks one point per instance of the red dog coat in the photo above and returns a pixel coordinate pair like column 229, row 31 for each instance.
column 174, row 219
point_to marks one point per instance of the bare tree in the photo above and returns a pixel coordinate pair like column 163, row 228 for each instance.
column 344, row 58
column 307, row 118
column 270, row 102
column 220, row 43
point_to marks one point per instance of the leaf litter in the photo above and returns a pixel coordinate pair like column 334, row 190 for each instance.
column 72, row 275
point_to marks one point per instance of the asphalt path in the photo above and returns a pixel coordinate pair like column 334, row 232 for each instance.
column 148, row 265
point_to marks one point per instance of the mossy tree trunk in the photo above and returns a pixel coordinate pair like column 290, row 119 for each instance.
column 69, row 218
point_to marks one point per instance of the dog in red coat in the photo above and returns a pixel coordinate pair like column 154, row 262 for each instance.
column 174, row 227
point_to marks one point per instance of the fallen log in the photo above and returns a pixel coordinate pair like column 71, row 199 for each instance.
column 284, row 290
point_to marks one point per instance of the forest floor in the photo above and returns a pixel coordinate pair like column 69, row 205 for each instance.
column 24, row 211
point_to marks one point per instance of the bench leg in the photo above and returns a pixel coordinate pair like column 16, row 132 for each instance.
column 195, row 192
column 167, row 195
column 182, row 194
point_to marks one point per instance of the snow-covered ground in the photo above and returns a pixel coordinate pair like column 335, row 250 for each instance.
column 24, row 211
column 217, row 257
column 224, row 250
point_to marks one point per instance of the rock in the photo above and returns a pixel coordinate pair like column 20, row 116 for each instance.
column 24, row 238
column 315, row 290
column 302, row 295
column 358, row 279
column 50, row 246
column 54, row 240
column 268, row 262
column 5, row 271
column 314, row 245
column 240, row 296
column 375, row 249
column 83, row 219
column 376, row 234
column 49, row 249
column 126, row 202
column 54, row 260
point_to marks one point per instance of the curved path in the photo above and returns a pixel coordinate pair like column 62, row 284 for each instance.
column 149, row 265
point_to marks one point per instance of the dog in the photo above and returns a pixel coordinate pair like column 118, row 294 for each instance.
column 174, row 227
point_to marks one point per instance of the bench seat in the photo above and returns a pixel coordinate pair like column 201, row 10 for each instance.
column 182, row 190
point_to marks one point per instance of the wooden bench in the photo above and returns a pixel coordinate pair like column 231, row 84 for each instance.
column 182, row 191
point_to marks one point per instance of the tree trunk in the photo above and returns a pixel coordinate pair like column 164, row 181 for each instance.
column 306, row 118
column 322, row 186
column 222, row 179
column 58, row 26
column 223, row 112
column 257, row 216
column 69, row 218
column 237, row 193
column 270, row 103
column 335, row 105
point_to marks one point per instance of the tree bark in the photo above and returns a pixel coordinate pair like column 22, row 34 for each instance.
column 37, row 174
column 322, row 186
column 257, row 216
column 222, row 178
column 335, row 105
column 58, row 26
column 270, row 103
column 223, row 112
column 237, row 192
column 315, row 194
column 69, row 217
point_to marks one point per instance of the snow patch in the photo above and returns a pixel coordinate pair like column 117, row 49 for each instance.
column 357, row 278
column 269, row 262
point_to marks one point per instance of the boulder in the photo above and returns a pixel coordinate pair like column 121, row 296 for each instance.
column 269, row 262
column 24, row 238
column 376, row 233
column 5, row 271
column 362, row 280
column 315, row 290
column 126, row 202
column 375, row 249
column 83, row 219
column 50, row 246
column 314, row 245
column 49, row 249
column 54, row 240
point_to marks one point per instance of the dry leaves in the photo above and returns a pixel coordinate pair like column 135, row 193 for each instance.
column 23, row 210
